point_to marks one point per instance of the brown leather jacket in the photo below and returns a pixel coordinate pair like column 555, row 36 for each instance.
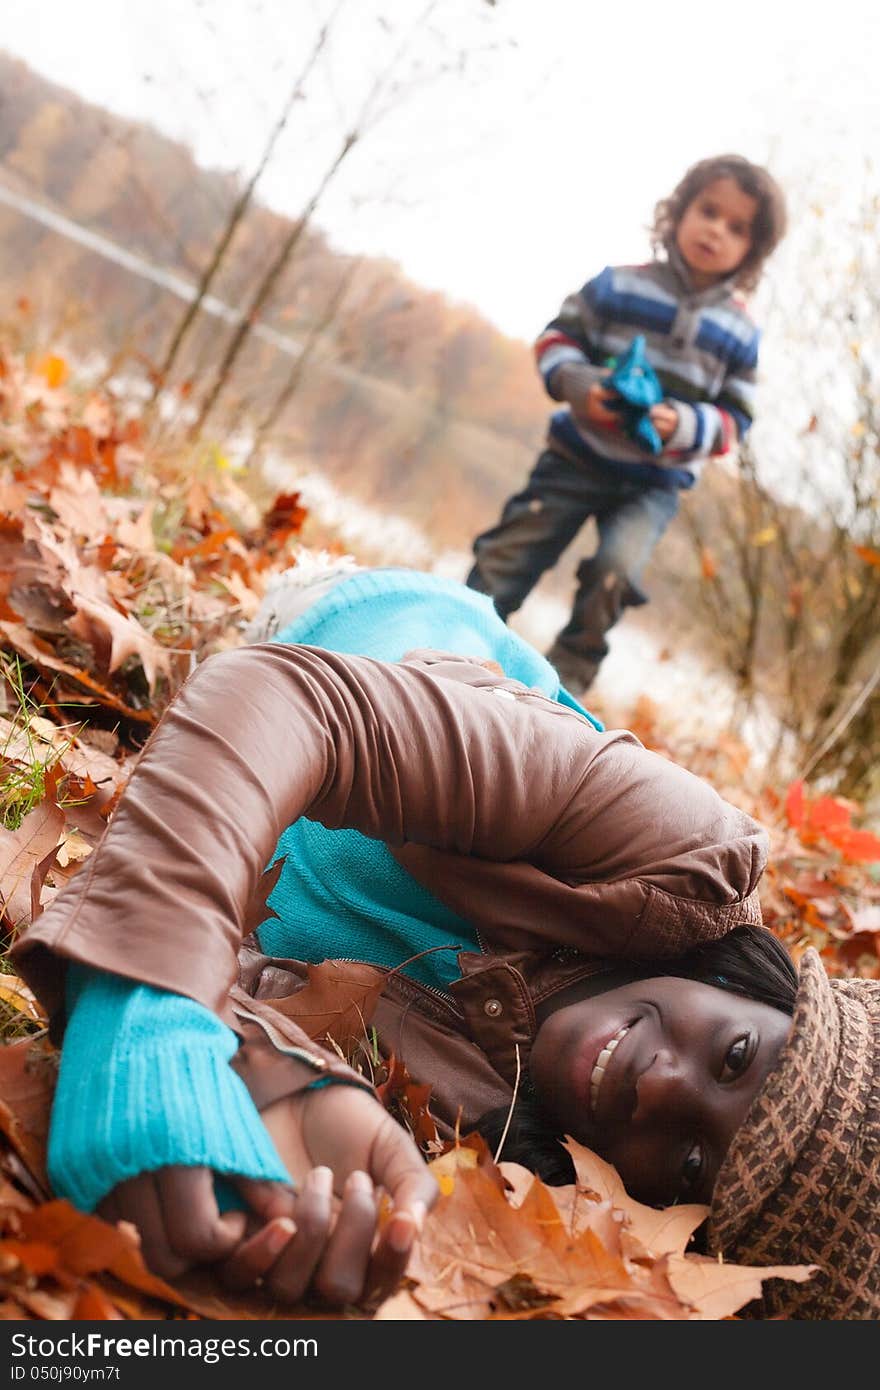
column 563, row 846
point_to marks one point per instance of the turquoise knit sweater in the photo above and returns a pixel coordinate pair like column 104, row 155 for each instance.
column 138, row 1064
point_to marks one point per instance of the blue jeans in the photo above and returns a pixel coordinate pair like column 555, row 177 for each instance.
column 536, row 526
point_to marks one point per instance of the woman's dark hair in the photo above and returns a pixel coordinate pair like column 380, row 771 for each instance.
column 748, row 961
column 769, row 225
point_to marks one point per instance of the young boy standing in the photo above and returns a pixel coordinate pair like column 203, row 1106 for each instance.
column 710, row 238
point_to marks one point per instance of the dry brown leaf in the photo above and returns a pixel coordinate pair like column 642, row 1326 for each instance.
column 866, row 918
column 73, row 849
column 92, row 1305
column 25, row 857
column 337, row 1001
column 13, row 497
column 247, row 599
column 661, row 1232
column 16, row 994
column 97, row 417
column 401, row 1307
column 97, row 622
column 474, row 1241
column 43, row 742
column 85, row 1249
column 411, row 1100
column 41, row 654
column 64, row 559
column 71, row 1254
column 77, row 503
column 136, row 533
column 41, row 1302
column 28, row 1072
column 565, row 1252
column 717, row 1290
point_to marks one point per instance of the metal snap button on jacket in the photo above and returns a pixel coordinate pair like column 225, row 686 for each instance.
column 493, row 1007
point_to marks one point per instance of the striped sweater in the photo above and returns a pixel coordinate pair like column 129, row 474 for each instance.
column 702, row 344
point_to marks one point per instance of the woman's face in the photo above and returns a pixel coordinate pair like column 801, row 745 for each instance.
column 657, row 1076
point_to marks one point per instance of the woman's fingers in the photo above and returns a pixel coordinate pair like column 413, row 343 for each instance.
column 291, row 1275
column 342, row 1275
column 267, row 1200
column 253, row 1259
column 197, row 1233
column 137, row 1200
column 391, row 1255
column 401, row 1170
column 325, row 1250
column 397, row 1165
column 307, row 1241
column 175, row 1212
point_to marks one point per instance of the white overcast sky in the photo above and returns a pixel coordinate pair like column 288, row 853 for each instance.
column 530, row 138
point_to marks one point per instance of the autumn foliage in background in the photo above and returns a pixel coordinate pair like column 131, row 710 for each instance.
column 123, row 563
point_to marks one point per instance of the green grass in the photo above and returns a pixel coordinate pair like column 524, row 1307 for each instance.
column 23, row 784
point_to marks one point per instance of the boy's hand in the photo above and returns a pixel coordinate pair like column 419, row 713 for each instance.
column 597, row 410
column 664, row 418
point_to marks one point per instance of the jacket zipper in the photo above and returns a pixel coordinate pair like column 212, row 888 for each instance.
column 440, row 995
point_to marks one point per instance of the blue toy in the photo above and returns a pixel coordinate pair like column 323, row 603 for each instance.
column 638, row 387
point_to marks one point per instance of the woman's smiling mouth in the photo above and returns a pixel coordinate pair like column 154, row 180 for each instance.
column 602, row 1061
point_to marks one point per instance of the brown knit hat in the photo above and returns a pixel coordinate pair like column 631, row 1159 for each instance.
column 801, row 1182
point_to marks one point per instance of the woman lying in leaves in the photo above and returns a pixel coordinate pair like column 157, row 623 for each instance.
column 587, row 931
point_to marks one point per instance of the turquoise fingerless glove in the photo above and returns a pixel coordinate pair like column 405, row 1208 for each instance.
column 144, row 1083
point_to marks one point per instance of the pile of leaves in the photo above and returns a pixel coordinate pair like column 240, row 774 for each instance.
column 121, row 567
column 821, row 887
column 123, row 563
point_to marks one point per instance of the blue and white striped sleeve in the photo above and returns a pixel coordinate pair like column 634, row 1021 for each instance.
column 568, row 352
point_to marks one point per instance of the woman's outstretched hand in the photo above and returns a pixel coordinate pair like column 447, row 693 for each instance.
column 327, row 1234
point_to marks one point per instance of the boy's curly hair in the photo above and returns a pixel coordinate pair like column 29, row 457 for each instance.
column 768, row 228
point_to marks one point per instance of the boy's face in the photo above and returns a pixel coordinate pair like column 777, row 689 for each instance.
column 715, row 234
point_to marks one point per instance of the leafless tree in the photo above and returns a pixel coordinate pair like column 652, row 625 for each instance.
column 309, row 347
column 790, row 560
column 371, row 110
column 240, row 207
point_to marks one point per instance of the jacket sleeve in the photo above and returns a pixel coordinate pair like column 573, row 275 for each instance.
column 418, row 754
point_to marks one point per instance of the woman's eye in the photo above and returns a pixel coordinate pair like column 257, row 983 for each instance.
column 691, row 1169
column 736, row 1058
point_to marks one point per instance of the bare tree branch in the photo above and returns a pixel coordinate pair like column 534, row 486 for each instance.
column 241, row 206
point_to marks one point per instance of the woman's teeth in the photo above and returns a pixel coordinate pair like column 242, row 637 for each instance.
column 602, row 1062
